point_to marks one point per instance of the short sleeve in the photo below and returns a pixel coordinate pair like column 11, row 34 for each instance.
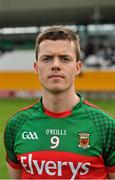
column 109, row 155
column 9, row 140
column 105, row 125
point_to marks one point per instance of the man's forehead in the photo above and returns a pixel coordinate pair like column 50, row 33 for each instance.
column 64, row 41
column 56, row 45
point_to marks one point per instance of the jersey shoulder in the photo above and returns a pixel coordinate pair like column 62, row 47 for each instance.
column 97, row 113
column 19, row 118
column 13, row 125
column 103, row 122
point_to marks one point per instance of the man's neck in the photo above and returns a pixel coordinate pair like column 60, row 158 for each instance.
column 59, row 102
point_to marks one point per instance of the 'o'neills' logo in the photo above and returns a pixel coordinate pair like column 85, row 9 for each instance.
column 84, row 141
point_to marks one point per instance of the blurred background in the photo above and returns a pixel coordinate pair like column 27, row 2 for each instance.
column 22, row 20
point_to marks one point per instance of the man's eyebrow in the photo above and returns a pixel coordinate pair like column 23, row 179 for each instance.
column 60, row 55
column 46, row 55
column 65, row 55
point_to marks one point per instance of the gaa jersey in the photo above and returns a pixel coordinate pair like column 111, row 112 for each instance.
column 77, row 144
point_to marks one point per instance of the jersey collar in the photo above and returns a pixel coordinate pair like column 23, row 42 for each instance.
column 65, row 113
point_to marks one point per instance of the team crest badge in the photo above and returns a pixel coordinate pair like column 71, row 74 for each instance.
column 84, row 141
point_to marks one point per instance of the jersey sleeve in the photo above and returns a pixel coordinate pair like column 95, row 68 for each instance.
column 109, row 151
column 9, row 140
column 105, row 125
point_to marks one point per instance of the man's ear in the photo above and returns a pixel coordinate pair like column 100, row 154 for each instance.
column 36, row 67
column 79, row 65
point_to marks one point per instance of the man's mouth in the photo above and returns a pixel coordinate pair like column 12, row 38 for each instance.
column 56, row 76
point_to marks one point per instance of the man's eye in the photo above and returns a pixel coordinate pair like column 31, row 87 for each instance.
column 46, row 59
column 65, row 59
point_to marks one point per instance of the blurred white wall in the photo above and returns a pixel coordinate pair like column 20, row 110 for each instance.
column 17, row 60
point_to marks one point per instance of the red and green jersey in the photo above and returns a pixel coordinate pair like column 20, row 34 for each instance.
column 77, row 144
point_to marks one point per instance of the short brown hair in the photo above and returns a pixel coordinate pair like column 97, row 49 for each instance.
column 58, row 33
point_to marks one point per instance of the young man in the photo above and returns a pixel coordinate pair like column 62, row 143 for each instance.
column 62, row 136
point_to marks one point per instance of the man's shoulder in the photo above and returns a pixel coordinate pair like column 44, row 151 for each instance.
column 103, row 121
column 23, row 114
column 98, row 114
column 16, row 121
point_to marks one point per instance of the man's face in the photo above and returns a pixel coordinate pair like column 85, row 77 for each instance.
column 57, row 65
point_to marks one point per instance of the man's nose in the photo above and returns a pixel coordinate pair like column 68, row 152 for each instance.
column 56, row 63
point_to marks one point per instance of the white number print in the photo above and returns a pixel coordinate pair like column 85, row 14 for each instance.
column 54, row 141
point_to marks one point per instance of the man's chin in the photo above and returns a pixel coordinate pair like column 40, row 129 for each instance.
column 56, row 90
